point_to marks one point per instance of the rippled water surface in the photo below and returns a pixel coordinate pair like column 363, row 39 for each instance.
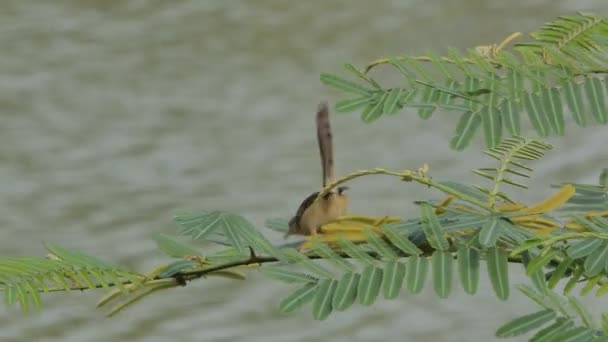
column 117, row 114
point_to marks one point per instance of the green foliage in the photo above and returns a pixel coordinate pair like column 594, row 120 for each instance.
column 499, row 272
column 563, row 239
column 22, row 279
column 560, row 67
column 468, row 268
column 511, row 154
column 588, row 197
column 570, row 320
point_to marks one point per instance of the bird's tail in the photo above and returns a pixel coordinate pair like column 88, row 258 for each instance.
column 324, row 138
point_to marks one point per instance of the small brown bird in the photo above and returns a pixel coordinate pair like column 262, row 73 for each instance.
column 312, row 215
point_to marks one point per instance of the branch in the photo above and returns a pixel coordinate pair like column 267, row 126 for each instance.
column 254, row 259
column 406, row 175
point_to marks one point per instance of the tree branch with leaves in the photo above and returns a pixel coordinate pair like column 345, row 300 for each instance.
column 357, row 258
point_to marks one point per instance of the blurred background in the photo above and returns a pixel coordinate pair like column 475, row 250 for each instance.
column 117, row 114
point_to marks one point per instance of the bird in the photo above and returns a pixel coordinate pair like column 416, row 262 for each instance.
column 313, row 213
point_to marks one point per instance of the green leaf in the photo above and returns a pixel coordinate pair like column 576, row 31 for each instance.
column 515, row 83
column 583, row 248
column 467, row 190
column 303, row 260
column 594, row 264
column 578, row 272
column 350, row 105
column 490, row 232
column 510, row 113
column 574, row 99
column 553, row 108
column 472, row 84
column 559, row 272
column 432, row 228
column 254, row 239
column 352, row 69
column 429, row 96
column 452, row 92
column 346, row 291
column 524, row 324
column 417, row 269
column 236, row 229
column 22, row 298
column 394, row 273
column 391, row 103
column 533, row 105
column 445, row 93
column 344, row 85
column 327, row 253
column 541, row 260
column 369, row 285
column 595, row 95
column 374, row 110
column 532, row 293
column 177, row 267
column 286, row 276
column 354, row 251
column 465, row 221
column 297, row 298
column 538, row 277
column 603, row 181
column 321, row 304
column 380, row 246
column 578, row 334
column 400, row 241
column 527, row 245
column 492, row 126
column 200, row 226
column 581, row 311
column 492, row 82
column 173, row 247
column 498, row 271
column 465, row 130
column 406, row 98
column 34, row 295
column 468, row 268
column 442, row 273
column 548, row 334
column 76, row 257
column 279, row 224
column 590, row 284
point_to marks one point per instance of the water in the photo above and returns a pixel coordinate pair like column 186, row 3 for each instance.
column 118, row 114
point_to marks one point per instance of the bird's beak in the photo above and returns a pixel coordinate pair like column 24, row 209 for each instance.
column 341, row 189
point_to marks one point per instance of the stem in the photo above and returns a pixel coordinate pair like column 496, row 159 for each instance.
column 497, row 180
column 183, row 277
column 406, row 175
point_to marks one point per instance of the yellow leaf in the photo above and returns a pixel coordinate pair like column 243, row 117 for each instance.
column 596, row 213
column 371, row 220
column 355, row 236
column 440, row 209
column 571, row 225
column 350, row 227
column 552, row 202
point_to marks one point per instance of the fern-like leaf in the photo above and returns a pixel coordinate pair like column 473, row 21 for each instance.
column 492, row 87
column 511, row 154
column 24, row 278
